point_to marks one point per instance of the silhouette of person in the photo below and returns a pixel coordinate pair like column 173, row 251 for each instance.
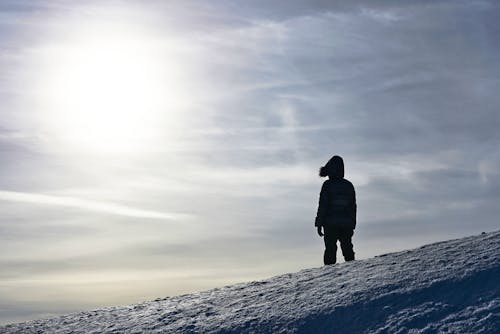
column 336, row 211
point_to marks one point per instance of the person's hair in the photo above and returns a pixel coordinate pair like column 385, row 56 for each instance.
column 323, row 171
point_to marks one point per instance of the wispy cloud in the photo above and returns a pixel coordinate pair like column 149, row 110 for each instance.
column 83, row 204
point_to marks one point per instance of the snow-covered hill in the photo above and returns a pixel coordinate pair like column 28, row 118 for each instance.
column 446, row 287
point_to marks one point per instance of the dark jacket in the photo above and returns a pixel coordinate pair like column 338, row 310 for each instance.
column 337, row 200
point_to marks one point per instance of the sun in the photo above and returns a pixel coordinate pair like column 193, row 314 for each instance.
column 110, row 90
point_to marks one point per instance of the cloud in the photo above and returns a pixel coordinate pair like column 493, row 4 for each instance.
column 109, row 208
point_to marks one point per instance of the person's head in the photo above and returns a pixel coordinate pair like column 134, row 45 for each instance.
column 333, row 168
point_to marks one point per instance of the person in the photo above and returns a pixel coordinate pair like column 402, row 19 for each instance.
column 336, row 216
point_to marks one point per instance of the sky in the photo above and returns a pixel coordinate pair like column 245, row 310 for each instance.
column 153, row 148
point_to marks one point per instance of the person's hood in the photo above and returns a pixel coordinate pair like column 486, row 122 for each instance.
column 335, row 167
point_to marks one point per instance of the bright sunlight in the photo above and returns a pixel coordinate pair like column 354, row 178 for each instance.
column 110, row 89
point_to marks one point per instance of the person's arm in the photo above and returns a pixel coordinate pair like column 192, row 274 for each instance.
column 354, row 207
column 322, row 207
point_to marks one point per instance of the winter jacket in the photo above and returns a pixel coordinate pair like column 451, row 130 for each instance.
column 337, row 204
column 337, row 200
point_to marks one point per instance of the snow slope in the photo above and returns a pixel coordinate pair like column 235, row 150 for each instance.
column 446, row 287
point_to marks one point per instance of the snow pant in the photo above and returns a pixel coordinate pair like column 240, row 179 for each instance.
column 342, row 234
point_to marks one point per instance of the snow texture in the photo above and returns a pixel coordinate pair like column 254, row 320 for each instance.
column 446, row 287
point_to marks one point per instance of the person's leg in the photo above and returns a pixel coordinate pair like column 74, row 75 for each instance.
column 330, row 256
column 346, row 244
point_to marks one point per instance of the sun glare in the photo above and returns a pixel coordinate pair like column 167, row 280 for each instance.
column 110, row 90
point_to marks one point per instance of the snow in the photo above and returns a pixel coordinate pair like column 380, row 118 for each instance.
column 446, row 287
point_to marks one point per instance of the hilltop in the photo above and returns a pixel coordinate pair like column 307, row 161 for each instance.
column 446, row 287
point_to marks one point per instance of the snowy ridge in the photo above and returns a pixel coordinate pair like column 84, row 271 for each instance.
column 446, row 287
